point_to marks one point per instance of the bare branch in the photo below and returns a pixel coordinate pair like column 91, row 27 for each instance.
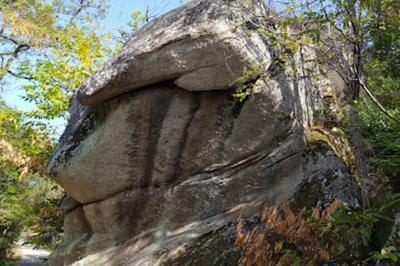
column 333, row 24
column 8, row 38
column 20, row 48
column 17, row 75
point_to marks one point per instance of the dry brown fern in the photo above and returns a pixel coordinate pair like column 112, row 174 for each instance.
column 284, row 231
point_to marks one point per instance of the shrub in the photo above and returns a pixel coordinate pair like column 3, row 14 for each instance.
column 336, row 235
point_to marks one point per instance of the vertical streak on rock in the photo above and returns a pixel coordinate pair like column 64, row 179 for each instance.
column 159, row 109
column 194, row 106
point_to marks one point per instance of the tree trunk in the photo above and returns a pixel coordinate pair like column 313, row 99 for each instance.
column 358, row 147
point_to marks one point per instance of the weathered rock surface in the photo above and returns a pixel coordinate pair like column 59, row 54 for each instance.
column 201, row 46
column 166, row 159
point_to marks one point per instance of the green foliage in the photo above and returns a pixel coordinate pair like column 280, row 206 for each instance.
column 26, row 193
column 30, row 141
column 349, row 232
column 245, row 83
column 63, row 44
column 381, row 134
column 353, row 231
column 43, row 216
column 52, row 82
column 137, row 21
column 48, row 48
column 379, row 257
column 372, row 27
column 371, row 31
column 10, row 227
column 33, row 203
column 337, row 234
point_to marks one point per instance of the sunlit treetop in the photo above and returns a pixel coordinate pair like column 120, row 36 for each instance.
column 50, row 47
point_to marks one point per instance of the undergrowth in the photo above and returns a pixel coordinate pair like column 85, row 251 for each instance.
column 336, row 235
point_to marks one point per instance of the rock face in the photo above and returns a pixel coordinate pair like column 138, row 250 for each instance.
column 201, row 47
column 158, row 153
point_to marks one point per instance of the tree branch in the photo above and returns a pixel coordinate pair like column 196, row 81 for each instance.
column 333, row 24
column 8, row 38
column 375, row 101
column 20, row 48
column 19, row 75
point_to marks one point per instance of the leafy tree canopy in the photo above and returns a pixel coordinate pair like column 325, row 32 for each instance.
column 50, row 47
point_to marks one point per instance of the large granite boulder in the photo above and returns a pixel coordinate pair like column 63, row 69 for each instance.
column 158, row 153
column 202, row 46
